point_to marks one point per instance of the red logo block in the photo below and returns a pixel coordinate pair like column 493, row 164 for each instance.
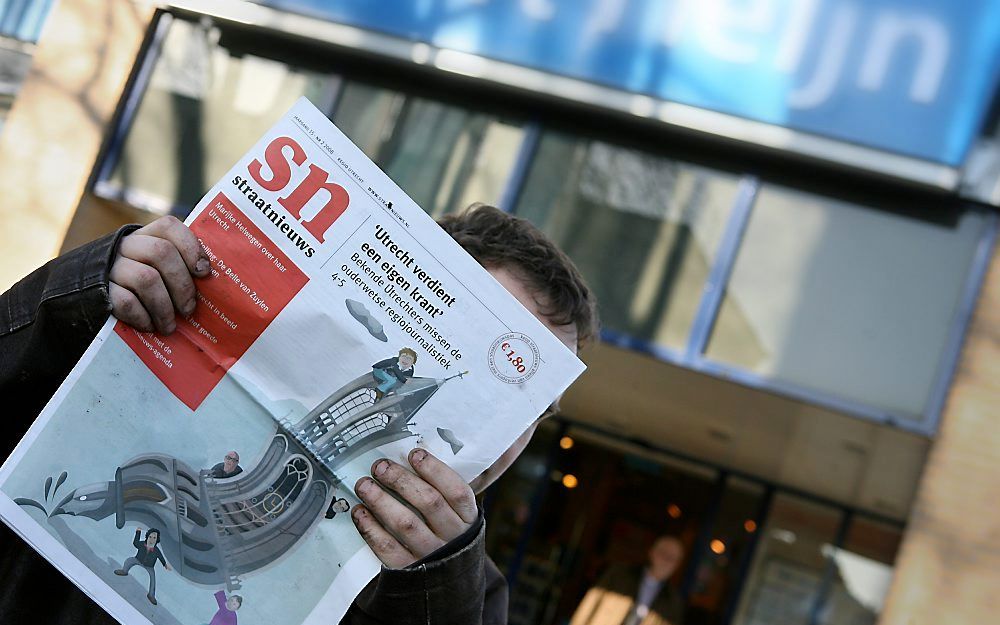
column 251, row 282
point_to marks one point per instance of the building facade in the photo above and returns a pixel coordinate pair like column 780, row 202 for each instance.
column 788, row 211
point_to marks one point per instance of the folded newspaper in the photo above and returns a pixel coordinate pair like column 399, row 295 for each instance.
column 340, row 325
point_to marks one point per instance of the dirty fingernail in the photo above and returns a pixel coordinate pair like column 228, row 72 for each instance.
column 380, row 467
column 201, row 266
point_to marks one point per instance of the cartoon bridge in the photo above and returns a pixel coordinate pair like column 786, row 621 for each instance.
column 214, row 531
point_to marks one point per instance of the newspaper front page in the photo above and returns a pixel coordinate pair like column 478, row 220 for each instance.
column 340, row 325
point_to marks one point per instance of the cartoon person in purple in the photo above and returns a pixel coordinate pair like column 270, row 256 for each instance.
column 226, row 615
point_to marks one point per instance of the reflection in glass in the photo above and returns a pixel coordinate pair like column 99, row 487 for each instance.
column 509, row 518
column 643, row 229
column 444, row 157
column 844, row 299
column 203, row 109
column 717, row 573
column 786, row 576
column 864, row 567
column 510, row 499
column 621, row 502
column 206, row 105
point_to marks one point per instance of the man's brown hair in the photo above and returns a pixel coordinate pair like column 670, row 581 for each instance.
column 497, row 239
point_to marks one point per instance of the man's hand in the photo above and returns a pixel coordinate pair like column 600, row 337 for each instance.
column 397, row 535
column 152, row 275
column 167, row 566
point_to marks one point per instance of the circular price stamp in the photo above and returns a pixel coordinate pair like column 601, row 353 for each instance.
column 514, row 358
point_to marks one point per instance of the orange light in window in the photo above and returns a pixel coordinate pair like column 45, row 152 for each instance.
column 569, row 481
column 674, row 511
column 750, row 526
column 566, row 442
column 718, row 547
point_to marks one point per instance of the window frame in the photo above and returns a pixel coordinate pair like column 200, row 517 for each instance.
column 538, row 117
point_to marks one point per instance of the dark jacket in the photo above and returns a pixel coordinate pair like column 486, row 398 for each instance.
column 611, row 600
column 47, row 320
column 146, row 557
column 219, row 471
column 391, row 365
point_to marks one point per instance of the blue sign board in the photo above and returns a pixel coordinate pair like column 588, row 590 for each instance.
column 23, row 19
column 909, row 76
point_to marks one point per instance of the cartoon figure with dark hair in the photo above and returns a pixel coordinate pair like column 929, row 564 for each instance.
column 146, row 554
column 337, row 505
column 226, row 615
column 391, row 373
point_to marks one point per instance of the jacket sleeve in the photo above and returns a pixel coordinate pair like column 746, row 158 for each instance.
column 137, row 541
column 458, row 585
column 47, row 320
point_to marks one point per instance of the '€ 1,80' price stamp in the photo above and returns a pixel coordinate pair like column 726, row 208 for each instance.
column 514, row 358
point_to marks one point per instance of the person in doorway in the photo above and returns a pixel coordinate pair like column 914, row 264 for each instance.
column 435, row 567
column 637, row 595
column 146, row 554
column 229, row 466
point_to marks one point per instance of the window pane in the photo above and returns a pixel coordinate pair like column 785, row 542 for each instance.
column 788, row 567
column 618, row 500
column 643, row 229
column 845, row 299
column 203, row 109
column 510, row 498
column 444, row 157
column 864, row 568
column 718, row 572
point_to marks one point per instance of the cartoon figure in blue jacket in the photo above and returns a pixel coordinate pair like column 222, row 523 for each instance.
column 392, row 373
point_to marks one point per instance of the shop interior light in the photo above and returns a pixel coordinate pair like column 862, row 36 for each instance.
column 566, row 442
column 674, row 511
column 785, row 536
column 569, row 480
column 718, row 547
column 750, row 526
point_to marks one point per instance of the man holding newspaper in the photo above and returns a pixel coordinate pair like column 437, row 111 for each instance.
column 435, row 569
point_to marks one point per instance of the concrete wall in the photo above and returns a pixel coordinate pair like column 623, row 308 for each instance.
column 53, row 133
column 948, row 570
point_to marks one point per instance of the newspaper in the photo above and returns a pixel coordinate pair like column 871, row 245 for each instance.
column 340, row 325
